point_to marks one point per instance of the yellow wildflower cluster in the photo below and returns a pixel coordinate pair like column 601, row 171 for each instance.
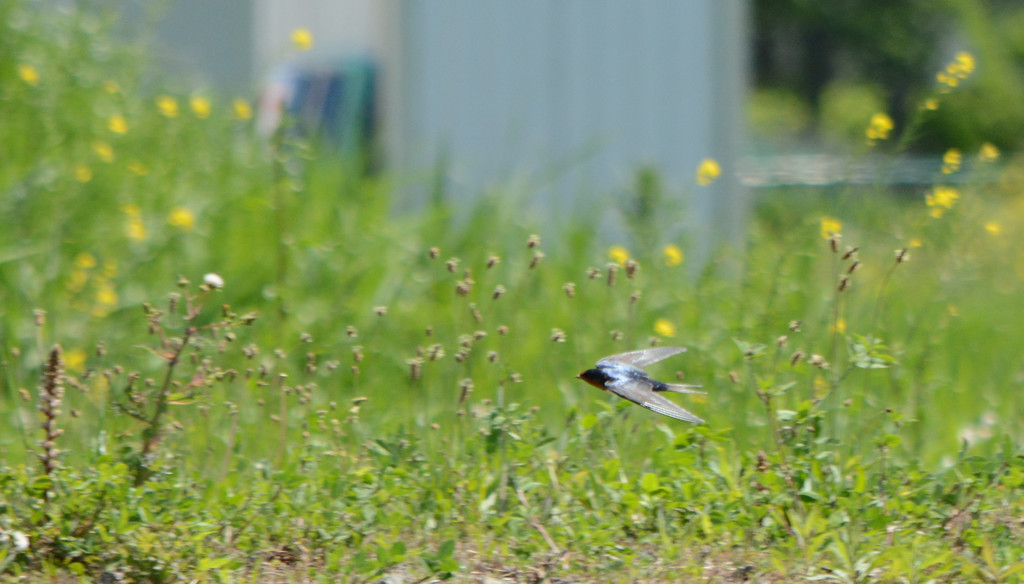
column 839, row 326
column 117, row 124
column 84, row 270
column 830, row 227
column 74, row 359
column 958, row 69
column 941, row 199
column 200, row 107
column 106, row 298
column 138, row 168
column 182, row 218
column 664, row 327
column 673, row 255
column 988, row 152
column 618, row 254
column 83, row 173
column 103, row 151
column 242, row 109
column 708, row 172
column 167, row 105
column 879, row 128
column 302, row 39
column 134, row 227
column 951, row 161
column 28, row 74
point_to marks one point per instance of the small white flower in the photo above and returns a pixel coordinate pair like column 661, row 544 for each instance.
column 213, row 280
column 20, row 541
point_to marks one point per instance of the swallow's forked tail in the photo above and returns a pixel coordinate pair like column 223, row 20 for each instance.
column 680, row 388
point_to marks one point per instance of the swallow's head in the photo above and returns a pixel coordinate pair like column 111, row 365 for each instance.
column 594, row 377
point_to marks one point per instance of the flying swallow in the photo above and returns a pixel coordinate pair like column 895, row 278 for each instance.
column 624, row 376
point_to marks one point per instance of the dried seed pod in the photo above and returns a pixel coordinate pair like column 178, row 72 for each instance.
column 538, row 256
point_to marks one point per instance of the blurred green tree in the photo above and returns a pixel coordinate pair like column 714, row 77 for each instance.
column 806, row 46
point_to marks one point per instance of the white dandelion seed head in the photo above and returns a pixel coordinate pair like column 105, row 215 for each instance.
column 213, row 280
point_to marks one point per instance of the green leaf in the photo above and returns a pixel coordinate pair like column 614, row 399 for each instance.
column 40, row 485
column 207, row 564
column 888, row 441
column 649, row 482
column 446, row 550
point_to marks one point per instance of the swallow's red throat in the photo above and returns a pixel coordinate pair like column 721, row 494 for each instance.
column 594, row 377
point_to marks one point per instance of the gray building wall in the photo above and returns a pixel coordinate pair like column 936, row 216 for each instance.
column 574, row 95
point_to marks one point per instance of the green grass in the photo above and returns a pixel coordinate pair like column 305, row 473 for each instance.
column 349, row 407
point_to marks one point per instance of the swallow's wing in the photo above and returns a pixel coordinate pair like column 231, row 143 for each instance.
column 640, row 393
column 643, row 357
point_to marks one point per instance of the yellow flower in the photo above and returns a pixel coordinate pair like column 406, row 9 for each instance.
column 78, row 280
column 618, row 254
column 708, row 172
column 103, row 150
column 107, row 299
column 302, row 39
column 993, row 228
column 988, row 152
column 85, row 260
column 821, row 386
column 673, row 255
column 106, row 296
column 28, row 74
column 951, row 161
column 830, row 227
column 663, row 327
column 167, row 105
column 117, row 124
column 953, row 310
column 135, row 228
column 83, row 173
column 947, row 80
column 200, row 107
column 74, row 360
column 839, row 326
column 931, row 104
column 879, row 128
column 182, row 218
column 915, row 242
column 138, row 168
column 242, row 109
column 962, row 65
column 959, row 68
column 941, row 197
column 936, row 212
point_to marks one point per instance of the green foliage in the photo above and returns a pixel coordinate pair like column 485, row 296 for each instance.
column 846, row 109
column 405, row 404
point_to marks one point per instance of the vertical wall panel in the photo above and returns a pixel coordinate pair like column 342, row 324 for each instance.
column 579, row 91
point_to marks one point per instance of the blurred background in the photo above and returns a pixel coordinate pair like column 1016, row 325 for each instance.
column 179, row 138
column 566, row 98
